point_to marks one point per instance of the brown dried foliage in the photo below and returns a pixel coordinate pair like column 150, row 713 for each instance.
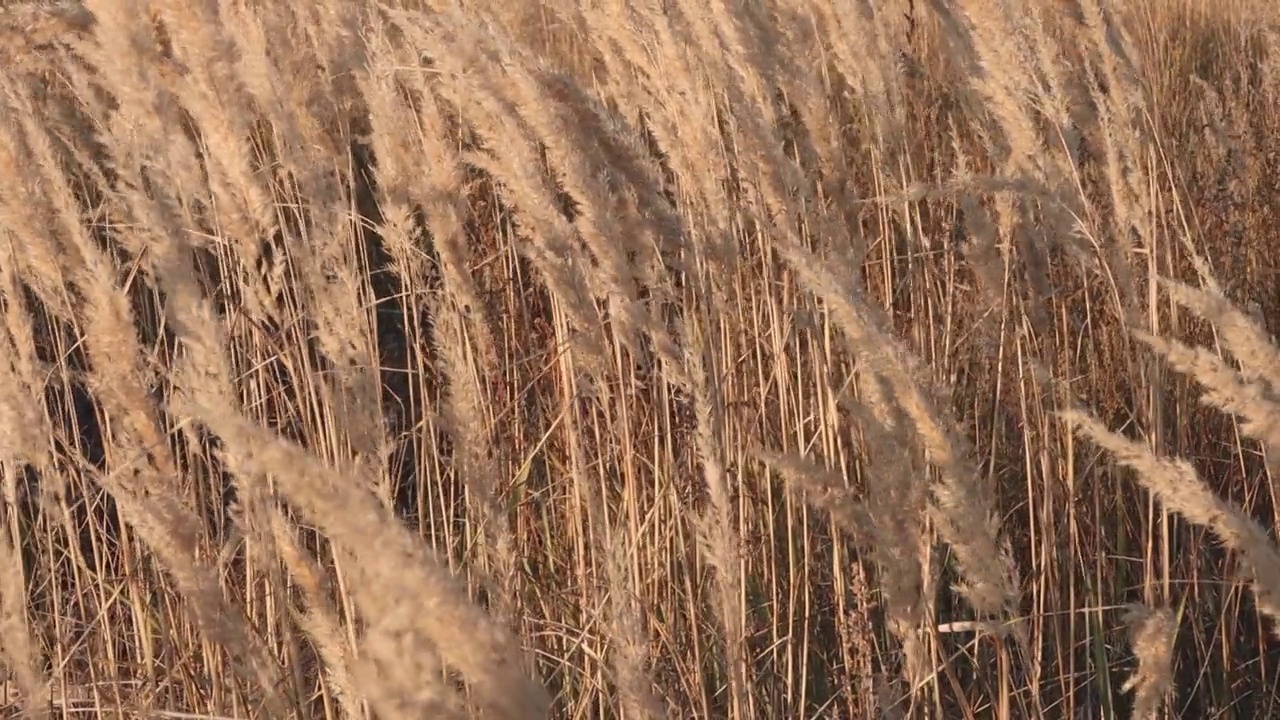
column 631, row 359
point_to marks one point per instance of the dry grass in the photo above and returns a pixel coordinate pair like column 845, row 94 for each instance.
column 781, row 359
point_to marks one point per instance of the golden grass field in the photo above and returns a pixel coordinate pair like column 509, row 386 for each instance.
column 592, row 359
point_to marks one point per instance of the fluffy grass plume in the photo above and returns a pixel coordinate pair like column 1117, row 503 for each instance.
column 621, row 359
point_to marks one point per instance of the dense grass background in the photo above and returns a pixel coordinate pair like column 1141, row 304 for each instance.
column 622, row 358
